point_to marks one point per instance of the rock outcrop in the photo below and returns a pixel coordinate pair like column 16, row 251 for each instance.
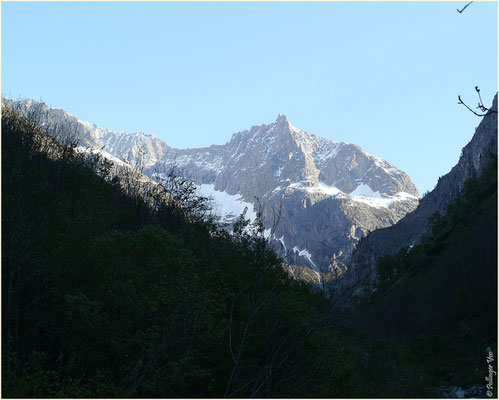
column 406, row 232
column 332, row 193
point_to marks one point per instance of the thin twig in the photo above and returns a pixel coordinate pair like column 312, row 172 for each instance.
column 460, row 11
column 480, row 105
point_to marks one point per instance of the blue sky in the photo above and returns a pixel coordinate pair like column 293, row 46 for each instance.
column 382, row 75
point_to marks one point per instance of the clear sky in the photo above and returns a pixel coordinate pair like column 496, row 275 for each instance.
column 382, row 75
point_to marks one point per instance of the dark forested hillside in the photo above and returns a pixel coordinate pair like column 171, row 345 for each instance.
column 113, row 290
column 433, row 307
column 387, row 241
column 104, row 295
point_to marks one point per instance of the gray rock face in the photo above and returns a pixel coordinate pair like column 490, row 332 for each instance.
column 362, row 262
column 332, row 193
column 134, row 148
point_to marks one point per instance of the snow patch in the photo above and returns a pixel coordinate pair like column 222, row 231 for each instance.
column 319, row 188
column 282, row 242
column 365, row 191
column 278, row 172
column 305, row 253
column 229, row 206
column 330, row 190
column 105, row 154
column 383, row 202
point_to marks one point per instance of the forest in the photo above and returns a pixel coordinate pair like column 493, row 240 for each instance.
column 114, row 289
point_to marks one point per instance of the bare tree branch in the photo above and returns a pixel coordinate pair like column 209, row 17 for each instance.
column 480, row 107
column 461, row 11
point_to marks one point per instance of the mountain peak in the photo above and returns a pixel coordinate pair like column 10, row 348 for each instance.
column 314, row 177
column 282, row 120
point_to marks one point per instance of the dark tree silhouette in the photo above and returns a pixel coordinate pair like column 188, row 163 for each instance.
column 480, row 107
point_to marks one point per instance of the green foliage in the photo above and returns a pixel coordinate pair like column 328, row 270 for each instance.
column 107, row 296
column 432, row 310
column 114, row 294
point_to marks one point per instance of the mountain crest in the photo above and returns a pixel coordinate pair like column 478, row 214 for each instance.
column 282, row 120
column 331, row 193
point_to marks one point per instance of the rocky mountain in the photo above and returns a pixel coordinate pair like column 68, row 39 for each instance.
column 133, row 148
column 331, row 194
column 406, row 232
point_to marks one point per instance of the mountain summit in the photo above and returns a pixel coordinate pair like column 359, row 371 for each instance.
column 332, row 193
column 282, row 120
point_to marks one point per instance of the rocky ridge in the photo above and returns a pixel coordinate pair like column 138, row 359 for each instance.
column 332, row 193
column 407, row 231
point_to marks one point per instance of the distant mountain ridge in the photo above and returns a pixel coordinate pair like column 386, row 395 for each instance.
column 332, row 193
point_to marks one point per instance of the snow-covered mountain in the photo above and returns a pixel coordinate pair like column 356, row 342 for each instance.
column 332, row 193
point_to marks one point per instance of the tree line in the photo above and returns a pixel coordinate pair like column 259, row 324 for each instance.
column 113, row 288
